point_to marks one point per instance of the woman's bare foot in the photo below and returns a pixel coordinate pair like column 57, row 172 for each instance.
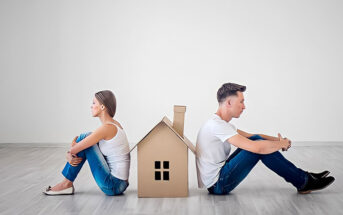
column 62, row 185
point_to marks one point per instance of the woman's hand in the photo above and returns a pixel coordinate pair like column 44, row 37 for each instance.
column 74, row 141
column 73, row 159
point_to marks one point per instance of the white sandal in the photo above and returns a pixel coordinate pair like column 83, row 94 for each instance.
column 67, row 191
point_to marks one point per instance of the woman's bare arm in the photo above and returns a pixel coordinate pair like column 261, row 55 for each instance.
column 92, row 139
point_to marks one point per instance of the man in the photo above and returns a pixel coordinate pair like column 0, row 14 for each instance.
column 221, row 173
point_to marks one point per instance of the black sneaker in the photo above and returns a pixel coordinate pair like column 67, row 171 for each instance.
column 316, row 184
column 319, row 175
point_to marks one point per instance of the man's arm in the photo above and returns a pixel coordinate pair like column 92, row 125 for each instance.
column 266, row 137
column 258, row 147
column 244, row 134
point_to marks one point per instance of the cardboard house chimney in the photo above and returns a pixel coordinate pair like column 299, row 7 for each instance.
column 162, row 157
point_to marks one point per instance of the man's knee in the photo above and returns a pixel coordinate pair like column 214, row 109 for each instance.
column 256, row 137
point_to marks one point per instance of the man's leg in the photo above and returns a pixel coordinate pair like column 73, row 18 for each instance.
column 234, row 171
column 254, row 137
column 236, row 168
column 240, row 163
column 284, row 168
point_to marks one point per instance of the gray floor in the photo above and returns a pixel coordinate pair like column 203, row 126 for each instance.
column 25, row 171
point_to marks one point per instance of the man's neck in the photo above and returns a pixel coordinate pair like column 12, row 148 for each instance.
column 224, row 115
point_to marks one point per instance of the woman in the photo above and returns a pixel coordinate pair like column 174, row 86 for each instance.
column 106, row 149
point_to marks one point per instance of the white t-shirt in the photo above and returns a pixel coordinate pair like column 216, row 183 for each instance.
column 212, row 149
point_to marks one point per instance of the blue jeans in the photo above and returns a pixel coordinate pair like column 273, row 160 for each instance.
column 241, row 162
column 109, row 184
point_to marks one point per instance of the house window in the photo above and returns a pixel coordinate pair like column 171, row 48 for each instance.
column 166, row 175
column 157, row 175
column 161, row 171
column 157, row 164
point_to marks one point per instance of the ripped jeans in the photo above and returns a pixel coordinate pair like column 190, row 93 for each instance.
column 241, row 162
column 109, row 184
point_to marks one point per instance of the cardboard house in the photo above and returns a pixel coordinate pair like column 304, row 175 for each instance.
column 162, row 157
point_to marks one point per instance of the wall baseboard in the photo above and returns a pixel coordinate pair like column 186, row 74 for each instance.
column 65, row 145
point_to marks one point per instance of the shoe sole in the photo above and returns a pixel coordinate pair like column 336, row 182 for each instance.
column 309, row 191
column 326, row 174
column 58, row 194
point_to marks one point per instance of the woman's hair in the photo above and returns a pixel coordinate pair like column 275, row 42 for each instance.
column 107, row 98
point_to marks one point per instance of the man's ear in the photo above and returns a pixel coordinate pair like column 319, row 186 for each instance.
column 228, row 101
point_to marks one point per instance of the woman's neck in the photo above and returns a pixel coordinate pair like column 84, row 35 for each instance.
column 104, row 118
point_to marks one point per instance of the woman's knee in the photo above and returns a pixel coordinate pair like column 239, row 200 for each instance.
column 82, row 136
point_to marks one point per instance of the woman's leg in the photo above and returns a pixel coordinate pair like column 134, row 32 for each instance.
column 109, row 184
column 70, row 172
column 99, row 168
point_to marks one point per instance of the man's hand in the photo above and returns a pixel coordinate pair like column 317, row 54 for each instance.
column 286, row 143
column 73, row 159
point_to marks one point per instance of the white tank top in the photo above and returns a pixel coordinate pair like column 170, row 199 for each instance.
column 117, row 154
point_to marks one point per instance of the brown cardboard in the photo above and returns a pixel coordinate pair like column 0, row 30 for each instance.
column 162, row 157
column 179, row 118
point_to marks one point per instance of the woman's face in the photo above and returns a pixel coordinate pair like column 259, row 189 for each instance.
column 96, row 107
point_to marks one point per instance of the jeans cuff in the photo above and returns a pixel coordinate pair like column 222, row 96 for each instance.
column 67, row 176
column 305, row 183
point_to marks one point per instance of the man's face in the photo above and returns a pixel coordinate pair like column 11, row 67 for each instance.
column 236, row 104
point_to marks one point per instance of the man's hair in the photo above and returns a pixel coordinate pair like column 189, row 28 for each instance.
column 229, row 89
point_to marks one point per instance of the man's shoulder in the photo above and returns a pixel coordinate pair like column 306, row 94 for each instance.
column 216, row 121
column 215, row 125
column 212, row 123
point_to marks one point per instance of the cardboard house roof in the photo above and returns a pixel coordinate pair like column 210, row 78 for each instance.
column 169, row 124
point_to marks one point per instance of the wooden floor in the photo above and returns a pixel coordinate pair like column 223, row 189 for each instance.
column 27, row 169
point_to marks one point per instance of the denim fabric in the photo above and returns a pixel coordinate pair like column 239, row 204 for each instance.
column 109, row 184
column 241, row 162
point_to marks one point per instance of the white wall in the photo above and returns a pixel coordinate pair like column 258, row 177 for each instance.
column 55, row 55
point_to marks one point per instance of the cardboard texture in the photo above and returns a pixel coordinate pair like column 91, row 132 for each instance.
column 162, row 157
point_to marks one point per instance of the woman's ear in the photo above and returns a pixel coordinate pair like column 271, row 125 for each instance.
column 102, row 107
